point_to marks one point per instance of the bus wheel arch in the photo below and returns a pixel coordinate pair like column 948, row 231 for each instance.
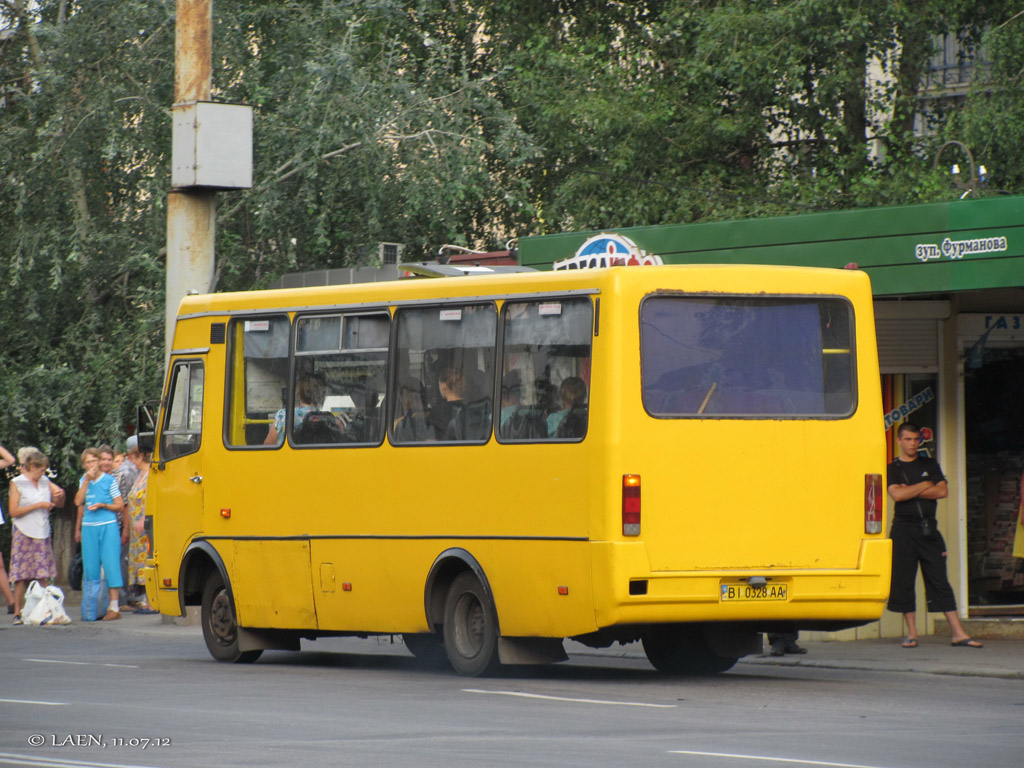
column 461, row 611
column 199, row 561
column 446, row 568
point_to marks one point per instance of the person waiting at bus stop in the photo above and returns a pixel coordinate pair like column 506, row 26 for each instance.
column 916, row 483
column 784, row 642
column 6, row 459
column 99, row 502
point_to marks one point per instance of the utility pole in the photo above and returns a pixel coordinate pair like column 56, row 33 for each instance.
column 191, row 211
column 212, row 150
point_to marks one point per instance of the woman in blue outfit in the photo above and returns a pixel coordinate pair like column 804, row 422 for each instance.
column 99, row 500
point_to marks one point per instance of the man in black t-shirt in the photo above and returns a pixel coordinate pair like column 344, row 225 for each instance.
column 915, row 484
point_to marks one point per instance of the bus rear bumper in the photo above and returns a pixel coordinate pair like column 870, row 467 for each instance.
column 637, row 595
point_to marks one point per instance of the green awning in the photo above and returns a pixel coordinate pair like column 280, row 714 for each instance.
column 962, row 245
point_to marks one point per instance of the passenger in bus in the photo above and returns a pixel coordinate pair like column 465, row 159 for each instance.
column 451, row 384
column 466, row 393
column 518, row 421
column 413, row 425
column 362, row 424
column 311, row 391
column 511, row 396
column 573, row 394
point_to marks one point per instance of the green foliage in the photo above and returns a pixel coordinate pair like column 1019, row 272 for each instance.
column 439, row 121
column 84, row 132
column 992, row 120
column 370, row 127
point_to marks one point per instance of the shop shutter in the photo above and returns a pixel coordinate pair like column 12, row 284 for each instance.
column 908, row 345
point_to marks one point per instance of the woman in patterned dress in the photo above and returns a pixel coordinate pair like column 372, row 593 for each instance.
column 32, row 496
column 138, row 542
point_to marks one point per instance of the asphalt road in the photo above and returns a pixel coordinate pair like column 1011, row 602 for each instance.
column 148, row 694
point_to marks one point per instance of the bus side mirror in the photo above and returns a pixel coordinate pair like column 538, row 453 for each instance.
column 145, row 427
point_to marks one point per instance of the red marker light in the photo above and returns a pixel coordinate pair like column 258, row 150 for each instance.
column 873, row 503
column 225, row 513
column 631, row 505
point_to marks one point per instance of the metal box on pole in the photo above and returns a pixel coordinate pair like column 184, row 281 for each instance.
column 211, row 146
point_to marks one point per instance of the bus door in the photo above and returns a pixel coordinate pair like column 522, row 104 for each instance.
column 255, row 516
column 178, row 509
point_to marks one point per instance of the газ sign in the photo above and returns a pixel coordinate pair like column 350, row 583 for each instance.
column 608, row 250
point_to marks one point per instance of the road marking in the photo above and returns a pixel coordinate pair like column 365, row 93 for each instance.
column 55, row 762
column 29, row 701
column 565, row 698
column 82, row 663
column 770, row 759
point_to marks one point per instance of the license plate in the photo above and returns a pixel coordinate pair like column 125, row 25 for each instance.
column 745, row 592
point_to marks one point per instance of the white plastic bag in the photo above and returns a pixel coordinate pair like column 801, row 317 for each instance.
column 50, row 609
column 33, row 595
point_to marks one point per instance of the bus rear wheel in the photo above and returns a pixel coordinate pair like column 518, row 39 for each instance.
column 220, row 630
column 683, row 651
column 470, row 627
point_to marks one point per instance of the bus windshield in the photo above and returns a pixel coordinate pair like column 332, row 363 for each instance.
column 742, row 356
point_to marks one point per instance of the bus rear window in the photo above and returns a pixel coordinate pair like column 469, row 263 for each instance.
column 747, row 357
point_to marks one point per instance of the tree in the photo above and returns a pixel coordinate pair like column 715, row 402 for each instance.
column 991, row 121
column 369, row 129
column 84, row 129
column 690, row 110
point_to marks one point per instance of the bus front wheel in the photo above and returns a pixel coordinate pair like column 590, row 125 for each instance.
column 220, row 630
column 683, row 651
column 470, row 627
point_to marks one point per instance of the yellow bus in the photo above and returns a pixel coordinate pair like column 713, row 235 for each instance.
column 688, row 456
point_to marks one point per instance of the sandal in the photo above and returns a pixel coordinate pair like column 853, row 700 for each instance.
column 968, row 642
column 910, row 642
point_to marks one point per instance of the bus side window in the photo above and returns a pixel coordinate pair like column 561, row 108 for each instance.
column 445, row 374
column 340, row 385
column 183, row 426
column 256, row 381
column 545, row 370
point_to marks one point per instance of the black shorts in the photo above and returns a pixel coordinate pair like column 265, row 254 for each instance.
column 910, row 548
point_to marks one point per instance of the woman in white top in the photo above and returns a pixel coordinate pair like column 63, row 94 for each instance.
column 32, row 496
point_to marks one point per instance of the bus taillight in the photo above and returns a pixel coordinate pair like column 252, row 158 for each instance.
column 873, row 503
column 631, row 505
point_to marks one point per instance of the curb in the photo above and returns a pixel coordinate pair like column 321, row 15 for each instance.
column 937, row 669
